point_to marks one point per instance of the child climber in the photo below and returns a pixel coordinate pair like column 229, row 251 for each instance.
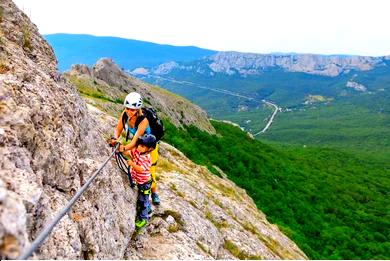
column 141, row 163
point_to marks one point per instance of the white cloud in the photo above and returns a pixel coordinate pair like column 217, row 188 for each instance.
column 262, row 26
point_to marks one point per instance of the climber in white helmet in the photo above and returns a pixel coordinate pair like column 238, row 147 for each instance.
column 134, row 122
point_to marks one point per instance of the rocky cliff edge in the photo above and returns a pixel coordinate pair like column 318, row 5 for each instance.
column 49, row 147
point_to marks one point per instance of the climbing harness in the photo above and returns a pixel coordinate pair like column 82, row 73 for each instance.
column 46, row 231
column 145, row 188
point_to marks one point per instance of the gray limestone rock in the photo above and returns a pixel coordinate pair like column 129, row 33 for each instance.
column 50, row 145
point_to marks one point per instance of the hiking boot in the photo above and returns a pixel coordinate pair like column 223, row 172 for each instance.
column 140, row 223
column 155, row 199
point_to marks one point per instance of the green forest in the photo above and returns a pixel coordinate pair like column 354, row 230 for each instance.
column 334, row 205
column 347, row 125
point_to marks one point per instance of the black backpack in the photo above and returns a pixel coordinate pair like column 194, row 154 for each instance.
column 155, row 124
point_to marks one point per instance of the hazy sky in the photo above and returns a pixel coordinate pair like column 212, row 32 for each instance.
column 261, row 26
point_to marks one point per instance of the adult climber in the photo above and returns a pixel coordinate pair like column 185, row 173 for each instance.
column 133, row 121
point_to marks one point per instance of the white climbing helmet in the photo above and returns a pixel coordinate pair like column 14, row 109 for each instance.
column 133, row 100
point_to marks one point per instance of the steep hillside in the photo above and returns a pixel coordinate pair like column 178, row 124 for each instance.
column 51, row 142
column 129, row 54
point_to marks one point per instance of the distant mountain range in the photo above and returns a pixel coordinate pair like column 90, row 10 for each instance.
column 245, row 64
column 128, row 54
column 145, row 57
column 284, row 78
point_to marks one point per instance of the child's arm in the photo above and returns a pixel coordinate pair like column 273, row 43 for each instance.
column 135, row 166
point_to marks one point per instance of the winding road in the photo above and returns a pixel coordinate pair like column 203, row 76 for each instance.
column 271, row 119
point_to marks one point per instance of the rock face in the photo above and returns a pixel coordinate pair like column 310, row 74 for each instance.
column 51, row 142
column 356, row 86
column 254, row 64
column 116, row 83
column 166, row 68
column 49, row 147
column 331, row 65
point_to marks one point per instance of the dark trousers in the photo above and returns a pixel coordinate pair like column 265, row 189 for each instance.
column 143, row 204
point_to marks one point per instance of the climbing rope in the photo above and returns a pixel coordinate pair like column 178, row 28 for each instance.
column 46, row 231
column 121, row 161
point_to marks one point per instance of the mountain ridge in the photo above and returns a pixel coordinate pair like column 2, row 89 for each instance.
column 246, row 64
column 127, row 53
